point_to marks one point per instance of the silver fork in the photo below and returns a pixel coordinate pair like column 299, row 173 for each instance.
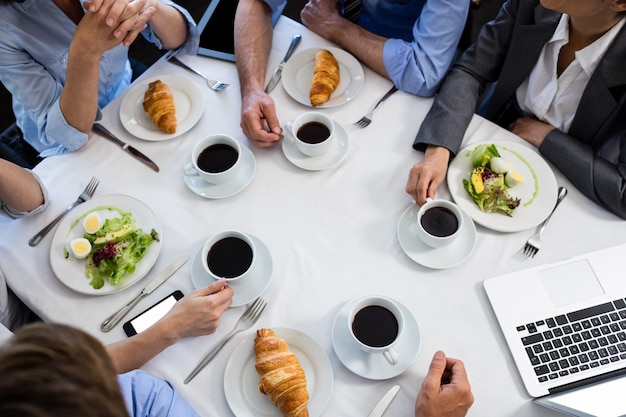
column 84, row 196
column 247, row 319
column 367, row 119
column 213, row 84
column 533, row 244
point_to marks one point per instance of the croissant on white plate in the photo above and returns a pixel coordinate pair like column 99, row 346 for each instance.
column 281, row 375
column 325, row 77
column 158, row 103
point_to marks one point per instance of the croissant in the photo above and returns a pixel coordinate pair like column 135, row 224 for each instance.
column 325, row 77
column 281, row 376
column 158, row 103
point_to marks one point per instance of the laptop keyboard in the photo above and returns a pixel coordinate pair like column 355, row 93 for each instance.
column 576, row 342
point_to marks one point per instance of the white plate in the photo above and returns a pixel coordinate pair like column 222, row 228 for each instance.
column 298, row 73
column 188, row 99
column 538, row 178
column 71, row 271
column 437, row 258
column 375, row 366
column 228, row 188
column 336, row 153
column 241, row 379
column 244, row 292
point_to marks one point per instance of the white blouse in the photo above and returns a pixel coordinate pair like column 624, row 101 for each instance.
column 554, row 99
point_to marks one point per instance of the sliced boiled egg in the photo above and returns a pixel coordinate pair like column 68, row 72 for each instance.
column 499, row 165
column 512, row 178
column 80, row 247
column 92, row 223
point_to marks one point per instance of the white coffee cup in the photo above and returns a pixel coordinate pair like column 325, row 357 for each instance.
column 217, row 165
column 376, row 323
column 442, row 224
column 229, row 254
column 310, row 141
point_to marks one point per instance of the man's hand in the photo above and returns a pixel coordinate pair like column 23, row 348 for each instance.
column 259, row 121
column 445, row 391
column 426, row 176
column 320, row 16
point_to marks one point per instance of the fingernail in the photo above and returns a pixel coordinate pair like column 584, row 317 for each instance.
column 439, row 355
column 110, row 22
column 117, row 33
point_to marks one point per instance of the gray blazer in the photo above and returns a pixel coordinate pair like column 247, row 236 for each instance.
column 592, row 155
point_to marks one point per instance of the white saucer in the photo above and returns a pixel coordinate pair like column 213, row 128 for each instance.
column 336, row 153
column 244, row 292
column 372, row 366
column 436, row 258
column 228, row 188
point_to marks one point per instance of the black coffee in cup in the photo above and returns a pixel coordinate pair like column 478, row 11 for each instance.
column 229, row 257
column 313, row 132
column 217, row 158
column 375, row 326
column 440, row 221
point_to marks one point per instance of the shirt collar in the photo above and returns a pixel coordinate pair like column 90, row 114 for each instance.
column 590, row 56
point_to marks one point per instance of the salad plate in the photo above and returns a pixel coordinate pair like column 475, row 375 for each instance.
column 375, row 366
column 436, row 258
column 228, row 188
column 337, row 152
column 241, row 379
column 537, row 193
column 298, row 73
column 188, row 99
column 245, row 292
column 71, row 271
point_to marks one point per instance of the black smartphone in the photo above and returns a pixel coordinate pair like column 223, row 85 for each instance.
column 142, row 321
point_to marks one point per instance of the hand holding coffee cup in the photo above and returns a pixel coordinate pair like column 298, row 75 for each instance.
column 230, row 255
column 376, row 324
column 312, row 133
column 216, row 159
column 439, row 222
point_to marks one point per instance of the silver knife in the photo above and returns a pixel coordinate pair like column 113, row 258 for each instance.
column 125, row 146
column 279, row 71
column 115, row 318
column 384, row 402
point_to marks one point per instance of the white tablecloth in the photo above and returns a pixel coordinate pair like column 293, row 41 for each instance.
column 331, row 233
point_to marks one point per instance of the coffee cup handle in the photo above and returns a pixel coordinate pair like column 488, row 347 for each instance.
column 189, row 169
column 391, row 356
column 289, row 129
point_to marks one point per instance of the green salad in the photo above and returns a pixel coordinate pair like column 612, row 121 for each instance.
column 116, row 248
column 490, row 180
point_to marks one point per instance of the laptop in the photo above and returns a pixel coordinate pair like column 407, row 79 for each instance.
column 217, row 27
column 565, row 325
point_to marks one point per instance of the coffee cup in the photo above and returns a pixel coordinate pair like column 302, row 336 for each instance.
column 376, row 323
column 215, row 159
column 229, row 254
column 312, row 133
column 439, row 222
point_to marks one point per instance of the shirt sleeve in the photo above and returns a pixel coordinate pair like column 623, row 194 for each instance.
column 147, row 395
column 419, row 66
column 193, row 39
column 16, row 214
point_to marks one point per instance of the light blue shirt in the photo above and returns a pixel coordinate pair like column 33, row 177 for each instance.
column 34, row 41
column 149, row 396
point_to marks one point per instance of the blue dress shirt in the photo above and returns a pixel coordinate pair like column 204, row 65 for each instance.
column 34, row 41
column 149, row 396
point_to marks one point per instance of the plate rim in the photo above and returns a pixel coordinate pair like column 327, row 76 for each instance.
column 70, row 218
column 309, row 343
column 136, row 90
column 343, row 57
column 506, row 224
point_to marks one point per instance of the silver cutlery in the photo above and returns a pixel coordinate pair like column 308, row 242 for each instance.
column 382, row 405
column 367, row 119
column 214, row 85
column 247, row 319
column 279, row 71
column 115, row 318
column 125, row 146
column 533, row 244
column 84, row 196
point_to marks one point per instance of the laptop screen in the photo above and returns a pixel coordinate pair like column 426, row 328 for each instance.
column 217, row 27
